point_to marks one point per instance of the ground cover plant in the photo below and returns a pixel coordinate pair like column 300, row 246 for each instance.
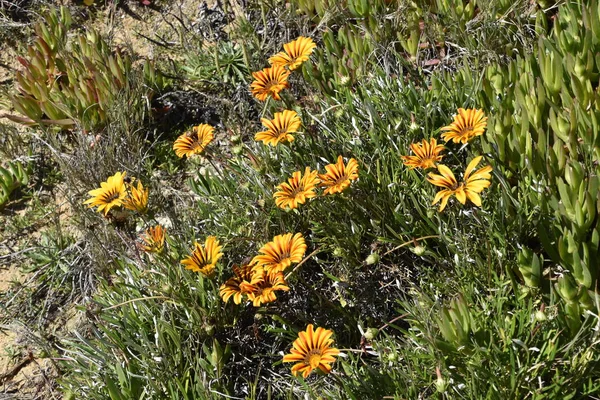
column 298, row 199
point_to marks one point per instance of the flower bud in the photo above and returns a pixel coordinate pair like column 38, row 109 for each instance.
column 540, row 316
column 441, row 384
column 418, row 250
column 371, row 333
column 372, row 259
column 237, row 150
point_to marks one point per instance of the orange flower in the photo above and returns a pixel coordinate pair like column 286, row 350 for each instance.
column 261, row 289
column 204, row 258
column 269, row 82
column 137, row 199
column 296, row 52
column 233, row 287
column 469, row 188
column 466, row 125
column 426, row 154
column 339, row 176
column 312, row 350
column 194, row 141
column 280, row 128
column 153, row 239
column 297, row 190
column 280, row 253
column 111, row 193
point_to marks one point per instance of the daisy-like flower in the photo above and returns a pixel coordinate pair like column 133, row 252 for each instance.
column 137, row 199
column 426, row 154
column 280, row 128
column 447, row 180
column 111, row 193
column 474, row 183
column 471, row 187
column 312, row 350
column 194, row 141
column 338, row 175
column 296, row 52
column 233, row 286
column 269, row 82
column 466, row 125
column 204, row 259
column 297, row 190
column 279, row 254
column 153, row 240
column 261, row 289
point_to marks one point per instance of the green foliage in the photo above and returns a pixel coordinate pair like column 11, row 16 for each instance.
column 223, row 61
column 545, row 136
column 74, row 82
column 13, row 175
column 497, row 301
column 63, row 85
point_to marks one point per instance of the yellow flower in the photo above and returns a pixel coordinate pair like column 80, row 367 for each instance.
column 269, row 82
column 298, row 189
column 204, row 259
column 233, row 286
column 338, row 175
column 280, row 128
column 312, row 350
column 153, row 240
column 261, row 289
column 470, row 188
column 447, row 180
column 474, row 183
column 466, row 125
column 427, row 154
column 296, row 52
column 194, row 141
column 111, row 193
column 280, row 253
column 137, row 199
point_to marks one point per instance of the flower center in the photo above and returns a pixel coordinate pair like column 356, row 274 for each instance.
column 112, row 197
column 313, row 358
column 428, row 162
column 342, row 179
column 269, row 85
column 298, row 189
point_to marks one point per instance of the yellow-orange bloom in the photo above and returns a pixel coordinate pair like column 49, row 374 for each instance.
column 233, row 287
column 466, row 125
column 137, row 199
column 474, row 183
column 296, row 52
column 280, row 253
column 204, row 258
column 471, row 187
column 312, row 350
column 194, row 141
column 280, row 128
column 153, row 240
column 426, row 154
column 339, row 176
column 111, row 193
column 269, row 82
column 297, row 190
column 261, row 289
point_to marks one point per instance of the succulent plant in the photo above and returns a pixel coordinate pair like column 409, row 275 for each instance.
column 12, row 175
column 71, row 86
